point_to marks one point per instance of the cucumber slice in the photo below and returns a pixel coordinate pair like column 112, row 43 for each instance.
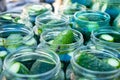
column 113, row 62
column 107, row 37
column 19, row 68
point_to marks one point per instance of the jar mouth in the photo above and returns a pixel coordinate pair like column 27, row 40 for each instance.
column 13, row 28
column 40, row 53
column 104, row 16
column 43, row 20
column 107, row 53
column 55, row 32
column 39, row 5
column 103, row 31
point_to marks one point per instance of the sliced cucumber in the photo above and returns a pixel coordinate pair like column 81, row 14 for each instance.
column 107, row 37
column 3, row 54
column 19, row 68
column 113, row 62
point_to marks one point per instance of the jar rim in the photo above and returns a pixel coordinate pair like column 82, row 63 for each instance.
column 37, row 53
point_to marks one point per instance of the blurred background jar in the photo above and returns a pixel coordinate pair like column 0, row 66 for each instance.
column 34, row 64
column 87, row 21
column 69, row 10
column 94, row 64
column 14, row 37
column 31, row 11
column 49, row 22
column 112, row 7
column 3, row 6
column 106, row 37
column 62, row 42
column 13, row 17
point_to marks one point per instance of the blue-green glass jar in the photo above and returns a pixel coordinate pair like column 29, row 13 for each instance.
column 32, row 64
column 94, row 64
column 87, row 21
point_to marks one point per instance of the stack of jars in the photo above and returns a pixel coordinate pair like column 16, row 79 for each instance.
column 80, row 43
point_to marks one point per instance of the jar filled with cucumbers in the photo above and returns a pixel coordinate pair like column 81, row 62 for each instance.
column 87, row 21
column 32, row 64
column 31, row 11
column 94, row 64
column 14, row 37
column 63, row 42
column 106, row 37
column 50, row 22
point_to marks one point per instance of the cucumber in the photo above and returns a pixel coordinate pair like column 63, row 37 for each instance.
column 19, row 68
column 107, row 37
column 113, row 62
column 65, row 37
column 42, row 66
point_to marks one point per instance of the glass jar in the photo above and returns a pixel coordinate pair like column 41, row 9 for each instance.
column 94, row 64
column 69, row 11
column 106, row 37
column 64, row 50
column 31, row 11
column 14, row 37
column 49, row 22
column 12, row 17
column 32, row 64
column 87, row 21
column 112, row 7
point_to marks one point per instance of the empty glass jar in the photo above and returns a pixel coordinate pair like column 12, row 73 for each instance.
column 94, row 64
column 32, row 64
column 87, row 21
column 14, row 37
